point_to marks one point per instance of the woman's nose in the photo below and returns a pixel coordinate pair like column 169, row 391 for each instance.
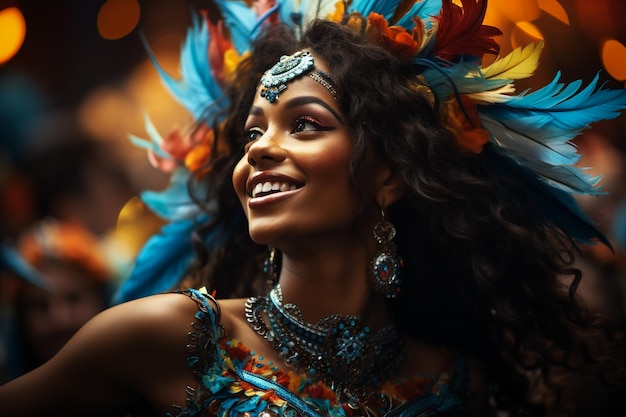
column 265, row 150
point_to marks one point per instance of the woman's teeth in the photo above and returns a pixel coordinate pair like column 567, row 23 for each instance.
column 264, row 188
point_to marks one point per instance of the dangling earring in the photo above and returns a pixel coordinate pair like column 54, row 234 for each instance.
column 384, row 274
column 271, row 268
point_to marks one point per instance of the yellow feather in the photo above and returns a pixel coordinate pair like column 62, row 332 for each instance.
column 520, row 63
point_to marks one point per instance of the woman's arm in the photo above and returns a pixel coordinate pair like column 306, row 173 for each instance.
column 131, row 356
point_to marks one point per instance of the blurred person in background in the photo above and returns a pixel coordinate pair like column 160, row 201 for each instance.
column 72, row 285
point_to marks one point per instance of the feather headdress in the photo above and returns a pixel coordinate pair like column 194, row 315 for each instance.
column 527, row 135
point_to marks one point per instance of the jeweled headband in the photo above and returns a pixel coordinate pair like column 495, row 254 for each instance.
column 289, row 68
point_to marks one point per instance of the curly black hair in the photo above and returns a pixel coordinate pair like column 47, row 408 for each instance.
column 485, row 273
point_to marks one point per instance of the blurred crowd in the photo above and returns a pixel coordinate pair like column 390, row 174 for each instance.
column 70, row 226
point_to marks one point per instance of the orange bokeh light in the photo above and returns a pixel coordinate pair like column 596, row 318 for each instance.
column 517, row 11
column 117, row 18
column 555, row 9
column 524, row 33
column 614, row 59
column 12, row 32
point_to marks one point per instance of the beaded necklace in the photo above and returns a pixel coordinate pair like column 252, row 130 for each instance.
column 337, row 350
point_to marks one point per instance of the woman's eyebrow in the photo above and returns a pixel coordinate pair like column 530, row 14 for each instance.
column 303, row 100
column 255, row 111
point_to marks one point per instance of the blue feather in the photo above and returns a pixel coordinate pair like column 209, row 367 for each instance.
column 288, row 14
column 555, row 206
column 462, row 78
column 255, row 29
column 11, row 260
column 162, row 261
column 196, row 89
column 554, row 164
column 240, row 20
column 196, row 68
column 558, row 112
column 424, row 10
column 382, row 7
column 153, row 145
column 536, row 129
column 175, row 203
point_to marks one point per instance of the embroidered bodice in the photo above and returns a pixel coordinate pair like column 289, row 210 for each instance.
column 234, row 381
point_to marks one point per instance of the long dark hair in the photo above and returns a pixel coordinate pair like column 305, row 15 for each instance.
column 483, row 273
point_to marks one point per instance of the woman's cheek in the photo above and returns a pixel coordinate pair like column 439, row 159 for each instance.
column 240, row 177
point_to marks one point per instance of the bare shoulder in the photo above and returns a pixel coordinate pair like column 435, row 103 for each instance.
column 158, row 321
column 160, row 315
column 130, row 355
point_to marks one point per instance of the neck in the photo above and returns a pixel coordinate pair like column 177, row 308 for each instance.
column 331, row 280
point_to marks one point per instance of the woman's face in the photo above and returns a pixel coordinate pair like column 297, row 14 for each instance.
column 293, row 180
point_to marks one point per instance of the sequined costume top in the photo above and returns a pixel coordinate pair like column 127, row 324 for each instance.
column 234, row 381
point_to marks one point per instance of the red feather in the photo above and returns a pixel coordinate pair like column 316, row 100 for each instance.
column 461, row 31
column 218, row 45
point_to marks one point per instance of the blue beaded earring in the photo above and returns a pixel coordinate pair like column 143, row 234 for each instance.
column 385, row 267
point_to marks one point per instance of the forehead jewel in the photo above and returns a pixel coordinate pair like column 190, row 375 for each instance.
column 289, row 68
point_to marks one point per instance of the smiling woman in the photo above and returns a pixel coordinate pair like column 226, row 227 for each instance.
column 381, row 229
column 293, row 180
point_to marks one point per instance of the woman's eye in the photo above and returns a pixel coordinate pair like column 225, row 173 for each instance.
column 252, row 135
column 305, row 124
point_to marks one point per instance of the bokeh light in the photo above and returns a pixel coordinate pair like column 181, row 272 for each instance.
column 614, row 59
column 12, row 32
column 597, row 18
column 517, row 11
column 117, row 18
column 513, row 19
column 108, row 112
column 524, row 33
column 554, row 9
